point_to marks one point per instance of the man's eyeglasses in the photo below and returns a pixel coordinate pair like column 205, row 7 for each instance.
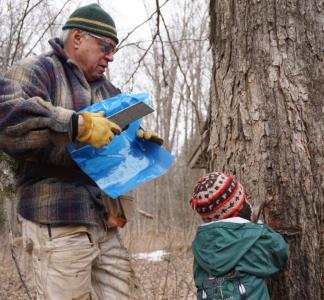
column 105, row 46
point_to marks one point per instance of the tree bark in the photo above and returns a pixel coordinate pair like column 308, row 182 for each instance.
column 267, row 123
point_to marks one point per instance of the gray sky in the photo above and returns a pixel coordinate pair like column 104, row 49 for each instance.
column 127, row 14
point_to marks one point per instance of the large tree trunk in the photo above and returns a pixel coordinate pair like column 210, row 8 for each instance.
column 267, row 123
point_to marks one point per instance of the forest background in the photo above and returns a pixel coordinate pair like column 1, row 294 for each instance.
column 164, row 51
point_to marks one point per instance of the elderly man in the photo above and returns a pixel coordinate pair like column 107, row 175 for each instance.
column 76, row 254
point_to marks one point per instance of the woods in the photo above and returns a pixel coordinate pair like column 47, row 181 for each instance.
column 237, row 86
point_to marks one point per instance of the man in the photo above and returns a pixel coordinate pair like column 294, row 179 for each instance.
column 76, row 255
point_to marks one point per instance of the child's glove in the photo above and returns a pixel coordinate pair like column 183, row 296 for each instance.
column 150, row 136
column 97, row 130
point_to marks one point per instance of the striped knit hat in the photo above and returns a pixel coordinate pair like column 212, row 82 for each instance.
column 219, row 196
column 93, row 18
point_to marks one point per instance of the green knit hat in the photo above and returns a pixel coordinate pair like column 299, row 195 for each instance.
column 93, row 18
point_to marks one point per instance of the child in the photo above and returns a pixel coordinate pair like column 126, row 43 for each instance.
column 232, row 256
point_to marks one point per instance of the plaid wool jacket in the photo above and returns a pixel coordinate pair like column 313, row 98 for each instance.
column 38, row 98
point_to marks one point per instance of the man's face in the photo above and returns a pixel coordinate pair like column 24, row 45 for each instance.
column 93, row 54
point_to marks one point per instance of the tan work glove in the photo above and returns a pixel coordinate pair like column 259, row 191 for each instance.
column 97, row 130
column 150, row 136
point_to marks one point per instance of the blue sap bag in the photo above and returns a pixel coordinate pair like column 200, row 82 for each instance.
column 126, row 161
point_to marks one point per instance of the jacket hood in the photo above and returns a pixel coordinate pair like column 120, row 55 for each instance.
column 57, row 46
column 251, row 248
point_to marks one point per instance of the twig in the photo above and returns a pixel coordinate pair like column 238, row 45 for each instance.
column 166, row 276
column 14, row 257
column 136, row 44
column 145, row 214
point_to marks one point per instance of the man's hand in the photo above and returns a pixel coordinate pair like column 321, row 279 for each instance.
column 150, row 136
column 95, row 129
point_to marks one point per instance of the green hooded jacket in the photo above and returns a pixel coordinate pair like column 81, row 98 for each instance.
column 254, row 251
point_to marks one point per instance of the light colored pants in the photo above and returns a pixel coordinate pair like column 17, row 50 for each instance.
column 79, row 262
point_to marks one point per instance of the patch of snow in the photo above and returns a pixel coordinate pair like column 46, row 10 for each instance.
column 151, row 256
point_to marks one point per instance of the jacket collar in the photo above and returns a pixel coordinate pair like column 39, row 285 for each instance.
column 237, row 220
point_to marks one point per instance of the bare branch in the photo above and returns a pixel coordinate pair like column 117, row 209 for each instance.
column 47, row 28
column 156, row 34
column 33, row 7
column 138, row 26
column 140, row 61
column 162, row 45
column 164, row 42
column 19, row 31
